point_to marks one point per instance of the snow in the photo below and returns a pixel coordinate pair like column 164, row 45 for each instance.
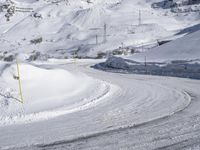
column 47, row 93
column 70, row 104
column 69, row 26
column 185, row 48
column 131, row 100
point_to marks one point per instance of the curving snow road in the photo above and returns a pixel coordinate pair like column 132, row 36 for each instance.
column 131, row 112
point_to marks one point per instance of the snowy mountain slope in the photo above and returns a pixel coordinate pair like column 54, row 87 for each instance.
column 70, row 105
column 185, row 48
column 67, row 26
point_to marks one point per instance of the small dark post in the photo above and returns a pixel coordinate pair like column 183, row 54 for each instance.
column 145, row 63
column 96, row 39
column 105, row 33
column 140, row 18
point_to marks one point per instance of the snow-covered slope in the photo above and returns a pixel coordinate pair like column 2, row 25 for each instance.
column 47, row 93
column 185, row 48
column 67, row 26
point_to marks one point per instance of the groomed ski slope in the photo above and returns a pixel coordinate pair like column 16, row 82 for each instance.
column 124, row 115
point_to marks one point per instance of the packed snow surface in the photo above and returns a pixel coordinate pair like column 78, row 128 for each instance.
column 67, row 104
column 124, row 101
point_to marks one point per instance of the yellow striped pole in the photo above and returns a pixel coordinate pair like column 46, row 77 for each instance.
column 19, row 82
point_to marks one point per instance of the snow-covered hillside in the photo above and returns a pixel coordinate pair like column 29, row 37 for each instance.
column 85, row 27
column 185, row 48
column 50, row 103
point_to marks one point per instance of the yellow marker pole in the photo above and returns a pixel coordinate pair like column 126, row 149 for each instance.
column 19, row 81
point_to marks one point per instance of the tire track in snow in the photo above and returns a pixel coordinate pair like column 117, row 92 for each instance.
column 93, row 125
column 21, row 118
column 59, row 144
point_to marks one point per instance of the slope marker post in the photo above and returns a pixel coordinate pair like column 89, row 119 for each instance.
column 19, row 82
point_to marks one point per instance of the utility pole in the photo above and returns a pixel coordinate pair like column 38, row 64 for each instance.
column 140, row 18
column 96, row 39
column 145, row 63
column 122, row 48
column 145, row 58
column 105, row 34
column 122, row 45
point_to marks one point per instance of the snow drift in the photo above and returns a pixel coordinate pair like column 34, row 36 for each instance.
column 47, row 93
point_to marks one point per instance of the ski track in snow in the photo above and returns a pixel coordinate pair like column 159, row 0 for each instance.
column 130, row 112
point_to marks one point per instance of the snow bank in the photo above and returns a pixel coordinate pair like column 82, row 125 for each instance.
column 47, row 93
